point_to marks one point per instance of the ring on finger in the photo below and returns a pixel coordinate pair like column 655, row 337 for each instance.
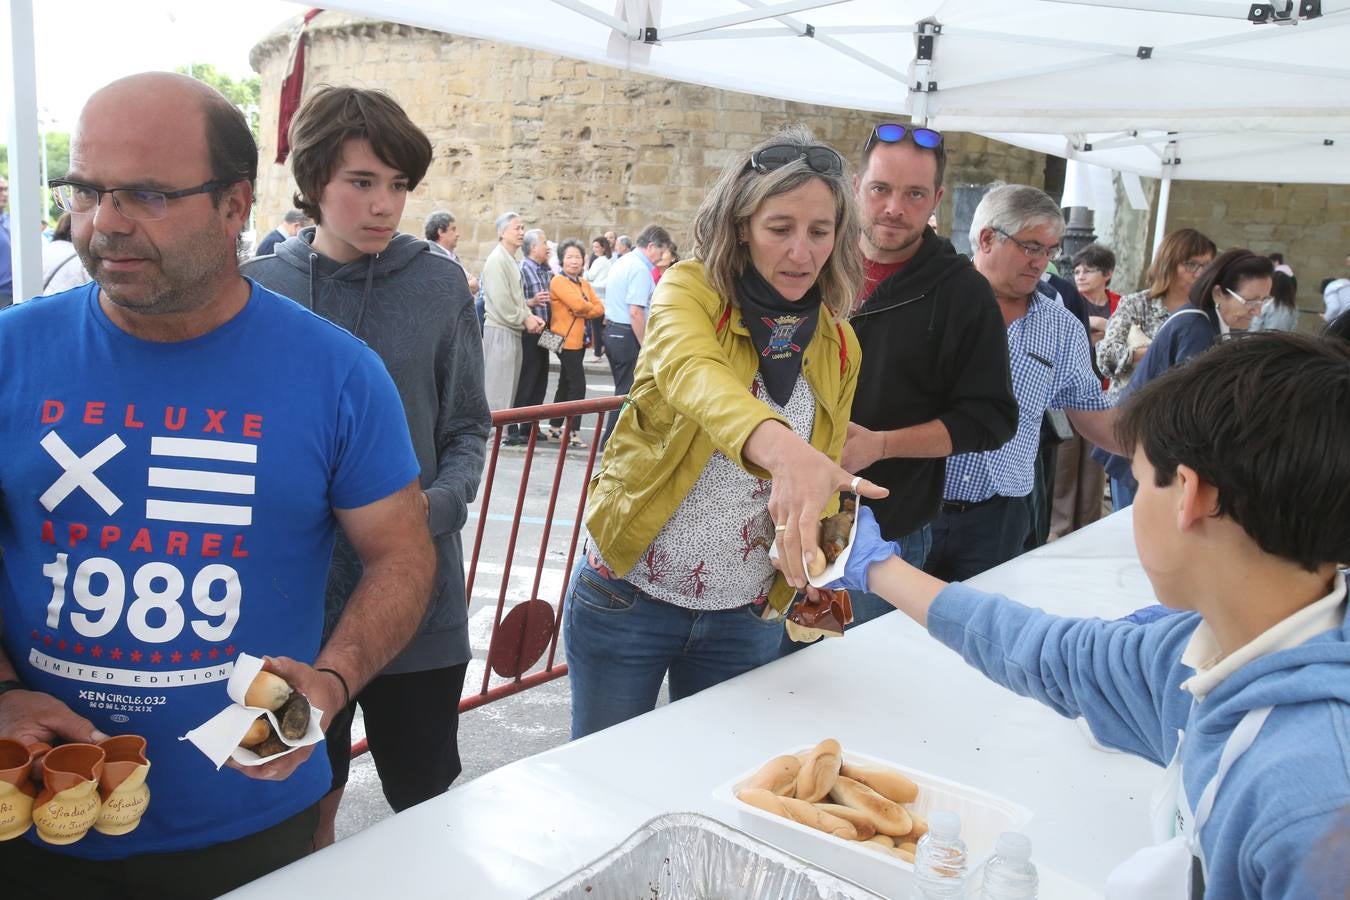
column 779, row 529
column 853, row 485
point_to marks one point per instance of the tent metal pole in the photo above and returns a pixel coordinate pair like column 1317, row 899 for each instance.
column 745, row 16
column 25, row 193
column 628, row 29
column 1160, row 228
column 1180, row 7
column 926, row 36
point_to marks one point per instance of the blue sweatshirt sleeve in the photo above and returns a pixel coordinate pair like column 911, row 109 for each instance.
column 1122, row 678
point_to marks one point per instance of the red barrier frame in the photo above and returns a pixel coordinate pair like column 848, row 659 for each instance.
column 552, row 669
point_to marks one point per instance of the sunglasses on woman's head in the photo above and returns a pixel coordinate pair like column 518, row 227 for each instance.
column 894, row 133
column 821, row 159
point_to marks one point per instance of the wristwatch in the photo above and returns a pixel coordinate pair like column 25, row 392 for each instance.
column 12, row 685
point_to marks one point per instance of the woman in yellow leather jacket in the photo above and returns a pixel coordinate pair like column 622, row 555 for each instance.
column 728, row 442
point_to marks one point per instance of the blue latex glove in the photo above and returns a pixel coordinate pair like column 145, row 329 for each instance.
column 867, row 548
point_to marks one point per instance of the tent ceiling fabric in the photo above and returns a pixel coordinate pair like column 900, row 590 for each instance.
column 1204, row 156
column 1044, row 66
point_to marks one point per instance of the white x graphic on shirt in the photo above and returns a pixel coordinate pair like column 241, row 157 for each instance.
column 79, row 472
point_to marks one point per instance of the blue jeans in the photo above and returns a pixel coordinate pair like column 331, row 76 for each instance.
column 1122, row 493
column 621, row 643
column 972, row 540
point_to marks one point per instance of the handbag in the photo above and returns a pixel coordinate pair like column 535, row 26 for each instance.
column 553, row 342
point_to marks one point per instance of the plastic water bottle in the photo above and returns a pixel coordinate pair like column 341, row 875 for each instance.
column 940, row 859
column 1010, row 874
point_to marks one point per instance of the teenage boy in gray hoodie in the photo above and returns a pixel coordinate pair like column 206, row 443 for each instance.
column 355, row 155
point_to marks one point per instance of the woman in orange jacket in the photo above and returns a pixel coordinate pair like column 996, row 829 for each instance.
column 572, row 300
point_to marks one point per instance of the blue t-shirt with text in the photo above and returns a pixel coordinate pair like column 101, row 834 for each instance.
column 166, row 506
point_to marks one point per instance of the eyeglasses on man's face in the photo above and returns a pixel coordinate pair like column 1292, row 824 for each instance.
column 133, row 203
column 1033, row 249
column 821, row 159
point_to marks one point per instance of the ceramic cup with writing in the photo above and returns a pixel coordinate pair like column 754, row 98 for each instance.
column 17, row 789
column 69, row 803
column 122, row 787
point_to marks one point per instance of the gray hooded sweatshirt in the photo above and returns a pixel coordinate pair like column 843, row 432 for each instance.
column 413, row 308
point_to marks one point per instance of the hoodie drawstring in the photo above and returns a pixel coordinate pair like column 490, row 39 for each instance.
column 365, row 295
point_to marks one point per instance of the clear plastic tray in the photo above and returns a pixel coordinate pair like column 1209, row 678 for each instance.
column 686, row 856
column 984, row 817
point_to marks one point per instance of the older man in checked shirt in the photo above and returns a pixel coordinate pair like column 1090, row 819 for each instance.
column 985, row 517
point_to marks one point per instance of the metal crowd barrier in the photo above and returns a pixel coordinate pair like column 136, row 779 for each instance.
column 521, row 638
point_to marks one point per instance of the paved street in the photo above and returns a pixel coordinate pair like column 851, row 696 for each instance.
column 519, row 726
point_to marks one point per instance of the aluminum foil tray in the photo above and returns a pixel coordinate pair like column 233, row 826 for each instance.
column 686, row 856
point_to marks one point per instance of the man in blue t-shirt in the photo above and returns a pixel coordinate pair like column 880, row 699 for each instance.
column 177, row 447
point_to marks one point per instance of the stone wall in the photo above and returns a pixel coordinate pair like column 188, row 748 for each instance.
column 575, row 147
column 1308, row 223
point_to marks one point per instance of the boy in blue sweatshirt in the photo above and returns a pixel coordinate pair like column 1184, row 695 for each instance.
column 1242, row 519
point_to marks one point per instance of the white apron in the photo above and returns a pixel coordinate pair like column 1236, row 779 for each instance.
column 1163, row 871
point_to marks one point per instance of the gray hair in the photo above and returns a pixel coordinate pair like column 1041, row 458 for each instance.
column 532, row 237
column 654, row 234
column 437, row 222
column 504, row 220
column 625, row 240
column 294, row 217
column 1012, row 207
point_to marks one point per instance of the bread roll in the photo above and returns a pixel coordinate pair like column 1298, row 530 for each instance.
column 886, row 782
column 818, row 771
column 267, row 691
column 906, row 855
column 887, row 816
column 866, row 830
column 798, row 811
column 762, row 799
column 257, row 732
column 884, row 840
column 809, row 815
column 778, row 776
column 911, row 846
column 918, row 829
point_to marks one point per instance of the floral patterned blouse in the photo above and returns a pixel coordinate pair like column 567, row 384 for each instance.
column 1114, row 355
column 713, row 552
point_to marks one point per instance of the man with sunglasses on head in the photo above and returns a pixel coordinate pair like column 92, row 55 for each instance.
column 934, row 378
column 985, row 513
column 177, row 448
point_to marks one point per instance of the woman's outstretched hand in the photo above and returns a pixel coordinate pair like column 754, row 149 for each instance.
column 804, row 482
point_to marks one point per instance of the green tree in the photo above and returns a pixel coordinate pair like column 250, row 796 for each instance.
column 245, row 93
column 58, row 161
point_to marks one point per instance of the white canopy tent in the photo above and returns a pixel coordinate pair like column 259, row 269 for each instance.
column 1050, row 67
column 1191, row 155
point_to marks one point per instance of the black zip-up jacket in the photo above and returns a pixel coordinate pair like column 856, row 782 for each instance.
column 933, row 347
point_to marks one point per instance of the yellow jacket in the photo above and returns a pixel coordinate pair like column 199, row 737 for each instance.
column 691, row 397
column 572, row 302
